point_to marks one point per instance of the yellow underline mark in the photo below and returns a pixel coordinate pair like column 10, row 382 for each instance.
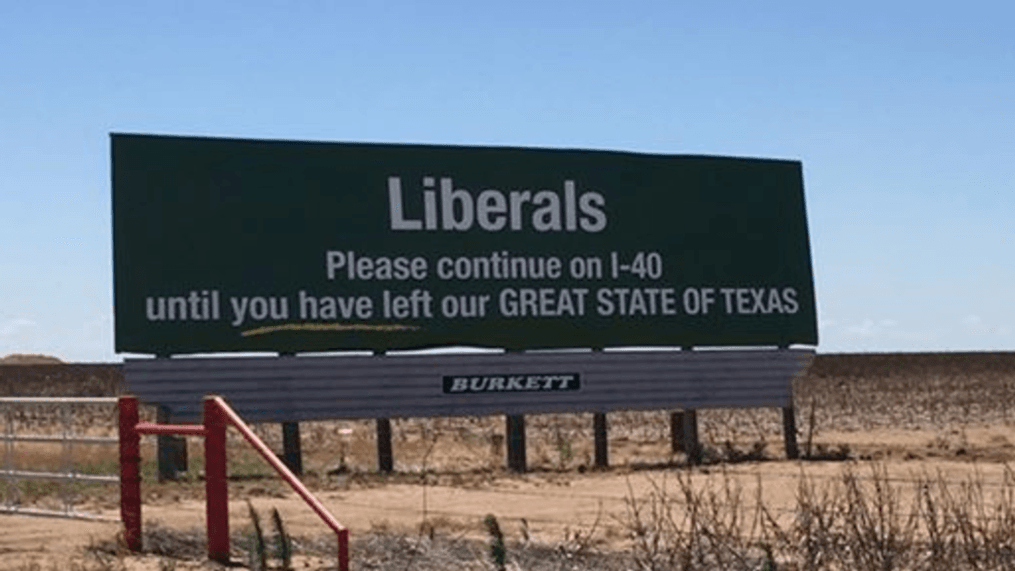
column 327, row 327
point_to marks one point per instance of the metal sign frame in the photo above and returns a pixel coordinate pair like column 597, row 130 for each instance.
column 290, row 389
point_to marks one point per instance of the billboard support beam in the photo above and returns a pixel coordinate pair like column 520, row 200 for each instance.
column 171, row 451
column 676, row 432
column 164, row 447
column 385, row 458
column 516, row 460
column 789, row 432
column 292, row 454
column 601, row 436
column 689, row 432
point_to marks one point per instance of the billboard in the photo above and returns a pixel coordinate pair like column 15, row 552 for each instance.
column 251, row 245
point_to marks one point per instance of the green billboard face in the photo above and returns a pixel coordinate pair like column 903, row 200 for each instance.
column 247, row 245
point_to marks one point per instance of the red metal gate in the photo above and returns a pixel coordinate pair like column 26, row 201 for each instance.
column 217, row 416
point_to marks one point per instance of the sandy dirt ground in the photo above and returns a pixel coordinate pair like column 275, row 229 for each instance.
column 545, row 506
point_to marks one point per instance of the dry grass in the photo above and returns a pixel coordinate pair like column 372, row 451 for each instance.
column 861, row 521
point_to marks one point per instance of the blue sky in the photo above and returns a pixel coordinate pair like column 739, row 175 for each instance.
column 903, row 114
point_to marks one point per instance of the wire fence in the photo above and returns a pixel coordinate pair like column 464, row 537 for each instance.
column 70, row 436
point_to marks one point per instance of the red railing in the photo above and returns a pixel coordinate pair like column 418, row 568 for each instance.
column 217, row 416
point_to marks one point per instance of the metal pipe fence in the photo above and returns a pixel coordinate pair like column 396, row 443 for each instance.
column 218, row 415
column 67, row 437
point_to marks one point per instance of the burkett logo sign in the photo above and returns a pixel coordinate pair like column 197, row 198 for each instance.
column 459, row 384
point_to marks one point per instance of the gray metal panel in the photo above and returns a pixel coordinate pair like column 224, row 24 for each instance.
column 329, row 387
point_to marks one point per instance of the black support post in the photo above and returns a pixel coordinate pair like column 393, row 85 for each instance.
column 516, row 442
column 385, row 458
column 171, row 451
column 676, row 432
column 292, row 454
column 789, row 423
column 164, row 448
column 789, row 432
column 688, row 430
column 691, row 445
column 601, row 434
